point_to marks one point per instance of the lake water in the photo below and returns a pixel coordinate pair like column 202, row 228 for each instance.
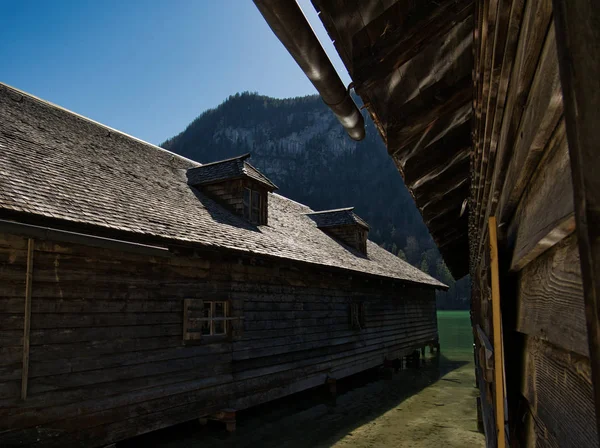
column 429, row 406
column 456, row 336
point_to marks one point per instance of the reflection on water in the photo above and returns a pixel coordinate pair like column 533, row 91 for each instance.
column 414, row 396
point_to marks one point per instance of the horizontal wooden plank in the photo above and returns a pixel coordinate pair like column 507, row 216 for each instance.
column 204, row 364
column 546, row 214
column 540, row 117
column 41, row 321
column 256, row 367
column 15, row 305
column 74, row 364
column 69, row 335
column 94, row 348
column 550, row 298
column 66, row 413
column 340, row 344
column 558, row 387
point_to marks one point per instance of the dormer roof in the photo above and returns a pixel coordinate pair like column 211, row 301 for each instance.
column 229, row 169
column 337, row 217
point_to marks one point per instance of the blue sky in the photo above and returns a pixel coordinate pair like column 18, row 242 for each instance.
column 147, row 67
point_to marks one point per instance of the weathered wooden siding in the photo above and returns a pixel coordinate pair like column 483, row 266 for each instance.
column 348, row 234
column 231, row 193
column 107, row 359
column 523, row 174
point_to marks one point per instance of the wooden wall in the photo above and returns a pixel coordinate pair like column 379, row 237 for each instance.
column 352, row 235
column 230, row 193
column 522, row 174
column 106, row 356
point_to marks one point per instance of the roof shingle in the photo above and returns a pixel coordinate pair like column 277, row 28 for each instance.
column 57, row 164
column 337, row 217
column 234, row 168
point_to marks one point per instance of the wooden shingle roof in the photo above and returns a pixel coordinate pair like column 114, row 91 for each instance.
column 234, row 168
column 337, row 217
column 57, row 165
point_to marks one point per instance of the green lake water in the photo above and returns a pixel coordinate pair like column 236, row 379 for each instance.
column 456, row 337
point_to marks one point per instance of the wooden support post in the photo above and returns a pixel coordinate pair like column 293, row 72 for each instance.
column 479, row 416
column 27, row 318
column 332, row 384
column 229, row 419
column 226, row 416
column 497, row 322
column 577, row 24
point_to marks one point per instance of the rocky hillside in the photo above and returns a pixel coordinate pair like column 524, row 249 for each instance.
column 301, row 147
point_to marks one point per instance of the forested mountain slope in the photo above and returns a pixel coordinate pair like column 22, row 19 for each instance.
column 301, row 147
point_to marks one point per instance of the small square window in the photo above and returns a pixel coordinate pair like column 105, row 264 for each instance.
column 205, row 318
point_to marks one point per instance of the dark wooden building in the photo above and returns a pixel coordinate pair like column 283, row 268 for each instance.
column 490, row 111
column 139, row 289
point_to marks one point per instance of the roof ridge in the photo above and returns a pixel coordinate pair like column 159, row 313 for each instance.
column 344, row 209
column 260, row 173
column 97, row 123
column 291, row 200
column 242, row 157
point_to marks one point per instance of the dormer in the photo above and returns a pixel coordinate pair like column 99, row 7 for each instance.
column 237, row 185
column 344, row 225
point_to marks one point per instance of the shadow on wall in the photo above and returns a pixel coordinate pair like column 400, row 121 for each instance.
column 309, row 418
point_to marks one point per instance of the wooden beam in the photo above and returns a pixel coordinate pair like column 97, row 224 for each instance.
column 545, row 214
column 440, row 195
column 540, row 118
column 550, row 298
column 407, row 27
column 532, row 33
column 448, row 221
column 459, row 157
column 445, row 181
column 428, row 107
column 459, row 234
column 497, row 323
column 577, row 25
column 438, row 152
column 404, row 150
column 453, row 200
column 27, row 318
column 505, row 45
column 557, row 385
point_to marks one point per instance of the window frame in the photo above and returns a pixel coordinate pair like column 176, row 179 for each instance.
column 194, row 317
column 211, row 320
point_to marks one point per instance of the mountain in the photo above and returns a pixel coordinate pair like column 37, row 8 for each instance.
column 300, row 146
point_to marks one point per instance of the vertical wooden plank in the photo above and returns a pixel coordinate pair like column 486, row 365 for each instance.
column 27, row 319
column 497, row 322
column 577, row 24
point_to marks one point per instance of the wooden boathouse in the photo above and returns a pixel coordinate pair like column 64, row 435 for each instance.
column 490, row 111
column 140, row 289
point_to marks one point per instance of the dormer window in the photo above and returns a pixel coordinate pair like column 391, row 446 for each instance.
column 252, row 208
column 344, row 225
column 237, row 185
